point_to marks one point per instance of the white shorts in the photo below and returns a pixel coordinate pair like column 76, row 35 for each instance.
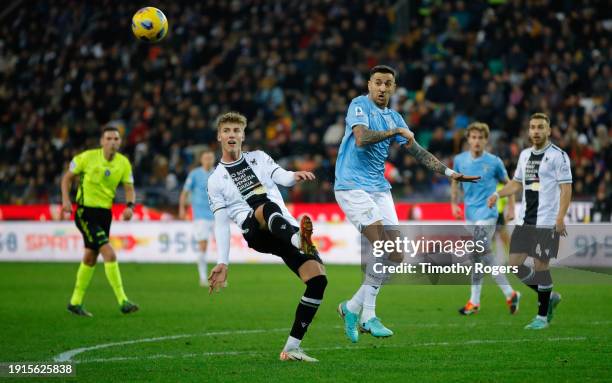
column 364, row 208
column 202, row 229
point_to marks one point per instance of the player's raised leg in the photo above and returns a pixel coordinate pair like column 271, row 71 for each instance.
column 270, row 216
column 243, row 189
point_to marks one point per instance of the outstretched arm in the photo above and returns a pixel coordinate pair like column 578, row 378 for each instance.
column 432, row 163
column 509, row 189
column 423, row 156
column 288, row 178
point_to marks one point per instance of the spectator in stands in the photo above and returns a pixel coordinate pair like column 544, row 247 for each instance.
column 290, row 67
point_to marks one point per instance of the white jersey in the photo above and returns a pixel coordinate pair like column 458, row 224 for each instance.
column 232, row 185
column 541, row 172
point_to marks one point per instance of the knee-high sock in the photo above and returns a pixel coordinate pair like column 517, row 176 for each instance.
column 356, row 302
column 83, row 277
column 500, row 279
column 476, row 288
column 545, row 285
column 114, row 279
column 202, row 266
column 369, row 302
column 365, row 298
column 527, row 276
column 306, row 310
column 504, row 285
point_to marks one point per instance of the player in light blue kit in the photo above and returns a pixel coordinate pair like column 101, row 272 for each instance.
column 480, row 218
column 364, row 194
column 203, row 218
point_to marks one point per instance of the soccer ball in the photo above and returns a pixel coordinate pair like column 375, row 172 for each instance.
column 149, row 24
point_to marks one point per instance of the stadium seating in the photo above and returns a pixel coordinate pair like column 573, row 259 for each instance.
column 292, row 67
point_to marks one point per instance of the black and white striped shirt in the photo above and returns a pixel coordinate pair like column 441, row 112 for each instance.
column 541, row 172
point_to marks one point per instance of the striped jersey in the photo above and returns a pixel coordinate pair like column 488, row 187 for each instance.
column 541, row 172
column 240, row 185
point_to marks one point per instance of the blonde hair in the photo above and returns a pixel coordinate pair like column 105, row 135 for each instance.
column 540, row 116
column 479, row 127
column 231, row 118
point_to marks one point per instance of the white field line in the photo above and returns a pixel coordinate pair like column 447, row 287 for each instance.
column 68, row 355
column 252, row 352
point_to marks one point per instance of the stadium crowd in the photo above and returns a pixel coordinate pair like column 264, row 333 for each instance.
column 292, row 67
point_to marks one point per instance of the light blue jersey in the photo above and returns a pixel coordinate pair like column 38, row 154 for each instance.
column 362, row 168
column 196, row 184
column 491, row 170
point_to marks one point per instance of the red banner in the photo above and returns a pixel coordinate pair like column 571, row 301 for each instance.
column 327, row 212
column 54, row 213
column 322, row 212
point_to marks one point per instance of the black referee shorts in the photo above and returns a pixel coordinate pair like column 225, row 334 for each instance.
column 265, row 242
column 94, row 224
column 536, row 242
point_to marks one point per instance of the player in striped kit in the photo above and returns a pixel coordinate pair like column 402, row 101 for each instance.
column 544, row 175
column 243, row 189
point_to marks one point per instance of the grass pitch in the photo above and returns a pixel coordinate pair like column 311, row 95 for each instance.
column 182, row 334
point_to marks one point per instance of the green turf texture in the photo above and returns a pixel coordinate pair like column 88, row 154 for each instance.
column 432, row 343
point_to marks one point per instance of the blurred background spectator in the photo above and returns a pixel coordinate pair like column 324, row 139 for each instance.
column 292, row 67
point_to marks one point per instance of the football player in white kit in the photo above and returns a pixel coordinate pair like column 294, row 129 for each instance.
column 242, row 189
column 544, row 175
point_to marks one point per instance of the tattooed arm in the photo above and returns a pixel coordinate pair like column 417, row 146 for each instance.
column 434, row 164
column 426, row 158
column 365, row 136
